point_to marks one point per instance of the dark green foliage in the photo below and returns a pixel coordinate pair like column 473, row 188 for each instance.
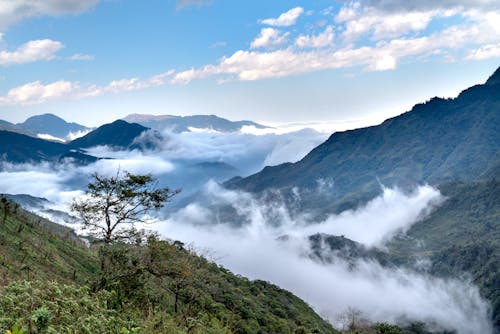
column 383, row 328
column 150, row 287
column 51, row 307
column 168, row 278
column 40, row 319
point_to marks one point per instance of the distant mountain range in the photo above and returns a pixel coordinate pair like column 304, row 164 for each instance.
column 16, row 147
column 185, row 123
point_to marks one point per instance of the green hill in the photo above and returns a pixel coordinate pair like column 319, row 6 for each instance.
column 157, row 286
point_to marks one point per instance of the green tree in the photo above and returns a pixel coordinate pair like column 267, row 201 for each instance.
column 6, row 208
column 112, row 205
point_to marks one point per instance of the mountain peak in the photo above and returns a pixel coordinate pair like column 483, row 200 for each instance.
column 119, row 134
column 494, row 79
column 50, row 124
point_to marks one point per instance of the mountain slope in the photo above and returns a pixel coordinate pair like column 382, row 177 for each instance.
column 158, row 286
column 438, row 141
column 118, row 134
column 462, row 236
column 52, row 125
column 19, row 148
column 183, row 123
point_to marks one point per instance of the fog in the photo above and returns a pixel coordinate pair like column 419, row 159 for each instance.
column 251, row 242
column 256, row 250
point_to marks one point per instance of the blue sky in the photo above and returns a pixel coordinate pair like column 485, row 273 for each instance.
column 93, row 61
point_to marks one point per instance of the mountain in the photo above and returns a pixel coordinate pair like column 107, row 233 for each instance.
column 461, row 238
column 119, row 134
column 52, row 125
column 20, row 148
column 452, row 144
column 157, row 287
column 184, row 123
column 7, row 126
column 438, row 141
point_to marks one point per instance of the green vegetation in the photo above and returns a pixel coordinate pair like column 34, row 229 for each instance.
column 51, row 283
column 34, row 248
column 461, row 236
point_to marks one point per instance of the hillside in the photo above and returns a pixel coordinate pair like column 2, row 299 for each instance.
column 184, row 123
column 438, row 141
column 462, row 237
column 20, row 148
column 158, row 286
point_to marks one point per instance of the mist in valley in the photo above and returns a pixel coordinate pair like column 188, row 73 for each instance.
column 263, row 240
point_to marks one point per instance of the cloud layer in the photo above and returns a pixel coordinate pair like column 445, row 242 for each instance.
column 256, row 249
column 249, row 240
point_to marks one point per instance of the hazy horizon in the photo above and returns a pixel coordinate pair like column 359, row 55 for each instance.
column 92, row 61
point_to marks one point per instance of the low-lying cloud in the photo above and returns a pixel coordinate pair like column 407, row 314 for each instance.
column 255, row 249
column 249, row 240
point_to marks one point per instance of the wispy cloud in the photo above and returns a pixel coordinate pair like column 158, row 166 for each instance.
column 255, row 248
column 485, row 52
column 13, row 11
column 36, row 92
column 185, row 3
column 321, row 40
column 81, row 57
column 392, row 45
column 286, row 19
column 43, row 49
column 268, row 37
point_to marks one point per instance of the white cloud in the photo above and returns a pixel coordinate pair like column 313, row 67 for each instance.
column 254, row 249
column 360, row 20
column 268, row 37
column 125, row 85
column 36, row 92
column 316, row 41
column 286, row 19
column 485, row 52
column 44, row 49
column 81, row 57
column 12, row 11
column 47, row 136
column 185, row 3
column 416, row 5
column 246, row 65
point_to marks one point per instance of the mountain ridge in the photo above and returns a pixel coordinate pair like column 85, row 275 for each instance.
column 437, row 141
column 184, row 123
